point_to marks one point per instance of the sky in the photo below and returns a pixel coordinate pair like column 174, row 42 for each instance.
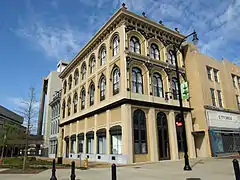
column 35, row 35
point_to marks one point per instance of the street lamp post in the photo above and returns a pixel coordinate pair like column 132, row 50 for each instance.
column 177, row 47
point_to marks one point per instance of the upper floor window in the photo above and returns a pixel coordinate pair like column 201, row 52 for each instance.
column 63, row 109
column 220, row 101
column 65, row 87
column 157, row 85
column 213, row 96
column 175, row 88
column 83, row 70
column 92, row 64
column 70, row 82
column 115, row 45
column 116, row 81
column 76, row 77
column 155, row 52
column 83, row 95
column 135, row 45
column 234, row 81
column 239, row 82
column 103, row 56
column 69, row 106
column 216, row 75
column 92, row 90
column 75, row 102
column 102, row 88
column 137, row 82
column 209, row 72
column 171, row 57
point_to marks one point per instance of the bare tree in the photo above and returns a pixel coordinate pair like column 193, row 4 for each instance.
column 28, row 111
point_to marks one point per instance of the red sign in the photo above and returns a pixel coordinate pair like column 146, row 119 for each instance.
column 179, row 124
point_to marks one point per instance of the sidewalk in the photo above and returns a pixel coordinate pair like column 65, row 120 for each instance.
column 219, row 169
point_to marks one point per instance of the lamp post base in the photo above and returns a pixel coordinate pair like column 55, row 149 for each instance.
column 187, row 168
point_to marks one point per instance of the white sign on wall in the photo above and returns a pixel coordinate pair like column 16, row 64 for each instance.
column 223, row 119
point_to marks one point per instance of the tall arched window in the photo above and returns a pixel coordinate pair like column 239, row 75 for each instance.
column 137, row 83
column 83, row 71
column 63, row 109
column 83, row 97
column 155, row 51
column 140, row 132
column 102, row 88
column 69, row 106
column 135, row 45
column 75, row 102
column 91, row 91
column 115, row 45
column 116, row 81
column 76, row 77
column 157, row 85
column 175, row 88
column 179, row 129
column 64, row 87
column 70, row 82
column 103, row 56
column 171, row 57
column 92, row 64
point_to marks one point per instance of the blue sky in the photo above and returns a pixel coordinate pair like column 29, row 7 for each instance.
column 35, row 35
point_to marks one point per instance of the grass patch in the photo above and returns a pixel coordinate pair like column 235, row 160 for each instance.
column 19, row 171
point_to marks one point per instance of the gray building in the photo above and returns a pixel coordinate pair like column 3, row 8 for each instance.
column 54, row 130
column 50, row 85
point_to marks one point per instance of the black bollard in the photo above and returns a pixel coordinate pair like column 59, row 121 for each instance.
column 53, row 171
column 73, row 171
column 114, row 172
column 236, row 169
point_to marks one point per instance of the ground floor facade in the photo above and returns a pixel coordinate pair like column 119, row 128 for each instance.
column 224, row 132
column 127, row 134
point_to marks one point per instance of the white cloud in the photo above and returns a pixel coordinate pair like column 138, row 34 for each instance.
column 18, row 103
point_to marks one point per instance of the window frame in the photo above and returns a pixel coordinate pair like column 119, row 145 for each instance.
column 92, row 94
column 75, row 102
column 83, row 71
column 175, row 88
column 69, row 104
column 137, row 73
column 134, row 42
column 70, row 82
column 116, row 81
column 83, row 98
column 115, row 46
column 220, row 100
column 213, row 97
column 171, row 57
column 76, row 77
column 92, row 64
column 234, row 81
column 103, row 56
column 102, row 88
column 154, row 49
column 215, row 72
column 158, row 87
column 209, row 72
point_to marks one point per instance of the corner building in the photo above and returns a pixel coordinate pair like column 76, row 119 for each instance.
column 119, row 96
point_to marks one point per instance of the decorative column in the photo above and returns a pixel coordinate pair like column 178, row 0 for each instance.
column 190, row 138
column 172, row 136
column 95, row 133
column 108, row 137
column 85, row 137
column 153, row 145
column 127, row 132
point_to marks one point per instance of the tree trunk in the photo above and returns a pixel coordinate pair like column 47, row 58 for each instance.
column 25, row 158
column 2, row 152
column 12, row 151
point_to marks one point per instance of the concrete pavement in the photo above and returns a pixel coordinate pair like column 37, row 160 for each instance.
column 219, row 169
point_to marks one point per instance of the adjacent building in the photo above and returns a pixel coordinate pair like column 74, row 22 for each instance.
column 214, row 88
column 54, row 129
column 50, row 85
column 119, row 99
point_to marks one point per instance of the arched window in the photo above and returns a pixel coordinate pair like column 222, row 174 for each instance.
column 179, row 130
column 135, row 45
column 140, row 132
column 116, row 81
column 83, row 71
column 102, row 88
column 137, row 83
column 115, row 45
column 175, row 88
column 103, row 56
column 83, row 95
column 155, row 51
column 65, row 87
column 91, row 91
column 92, row 64
column 171, row 57
column 76, row 77
column 157, row 85
column 70, row 82
column 63, row 109
column 69, row 106
column 75, row 102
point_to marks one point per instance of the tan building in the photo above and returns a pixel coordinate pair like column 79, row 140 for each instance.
column 214, row 88
column 119, row 99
